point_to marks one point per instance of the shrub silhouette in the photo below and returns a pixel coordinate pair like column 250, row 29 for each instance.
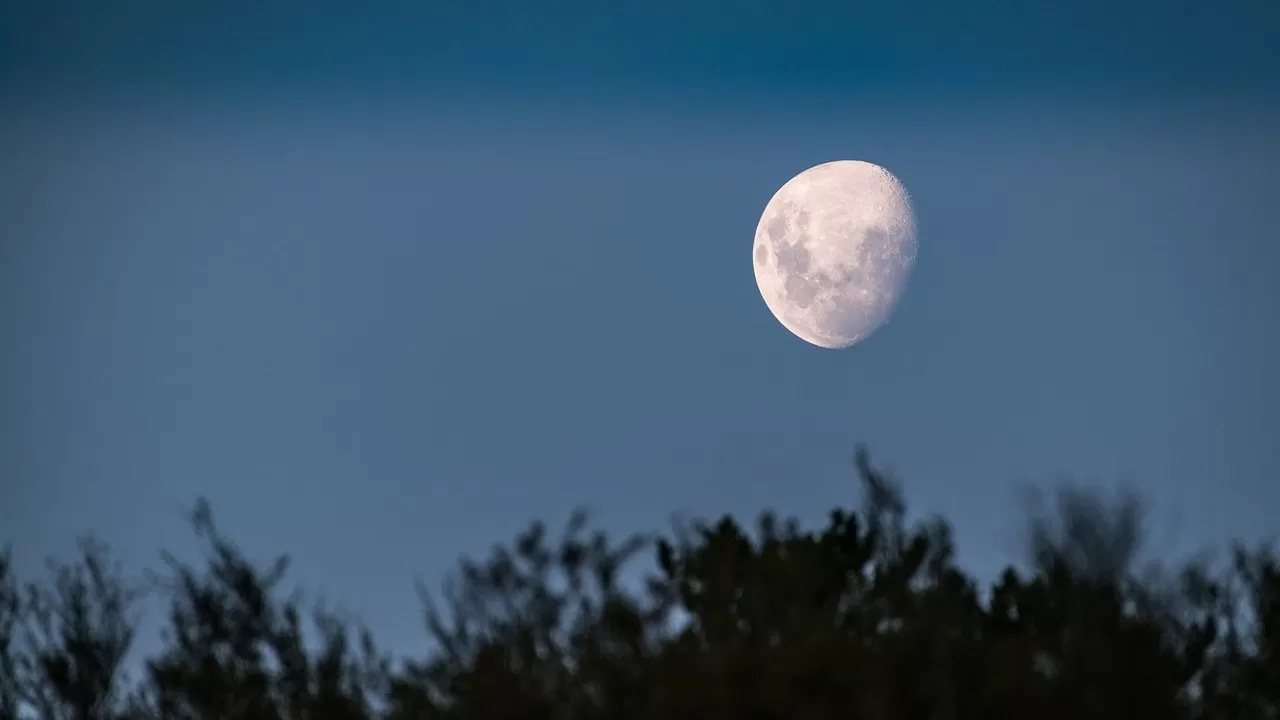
column 865, row 617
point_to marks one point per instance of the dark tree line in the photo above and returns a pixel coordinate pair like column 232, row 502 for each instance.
column 866, row 617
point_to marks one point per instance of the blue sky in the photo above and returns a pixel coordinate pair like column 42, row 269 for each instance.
column 386, row 284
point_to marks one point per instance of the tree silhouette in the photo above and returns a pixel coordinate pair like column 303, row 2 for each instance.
column 867, row 617
column 64, row 644
column 236, row 650
column 10, row 622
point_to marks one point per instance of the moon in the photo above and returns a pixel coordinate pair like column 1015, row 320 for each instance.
column 833, row 251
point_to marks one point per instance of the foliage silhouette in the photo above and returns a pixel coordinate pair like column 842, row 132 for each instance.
column 865, row 617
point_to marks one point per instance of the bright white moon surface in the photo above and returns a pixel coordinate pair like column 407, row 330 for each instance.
column 833, row 251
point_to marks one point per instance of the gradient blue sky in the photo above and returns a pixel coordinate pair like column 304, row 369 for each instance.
column 384, row 284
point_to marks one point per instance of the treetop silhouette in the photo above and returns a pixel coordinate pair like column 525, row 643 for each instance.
column 867, row 617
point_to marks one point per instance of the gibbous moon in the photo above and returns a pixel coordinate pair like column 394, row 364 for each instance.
column 833, row 251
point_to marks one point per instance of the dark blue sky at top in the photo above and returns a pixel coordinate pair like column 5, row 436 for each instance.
column 705, row 46
column 384, row 281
